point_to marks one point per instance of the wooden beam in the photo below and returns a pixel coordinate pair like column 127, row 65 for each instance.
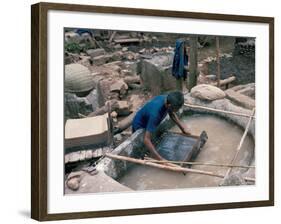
column 240, row 144
column 217, row 110
column 112, row 36
column 226, row 81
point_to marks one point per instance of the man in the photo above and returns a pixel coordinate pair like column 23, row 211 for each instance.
column 153, row 112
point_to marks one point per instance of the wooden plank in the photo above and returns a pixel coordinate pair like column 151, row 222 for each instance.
column 197, row 146
column 126, row 41
column 217, row 110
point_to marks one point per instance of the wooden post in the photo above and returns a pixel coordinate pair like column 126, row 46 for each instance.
column 112, row 36
column 218, row 61
column 179, row 84
column 193, row 62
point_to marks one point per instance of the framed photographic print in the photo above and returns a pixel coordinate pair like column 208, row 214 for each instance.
column 138, row 111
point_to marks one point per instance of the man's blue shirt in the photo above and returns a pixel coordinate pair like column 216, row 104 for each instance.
column 151, row 114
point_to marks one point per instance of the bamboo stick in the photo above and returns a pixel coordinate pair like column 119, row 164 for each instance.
column 240, row 143
column 165, row 162
column 198, row 163
column 165, row 167
column 218, row 61
column 218, row 110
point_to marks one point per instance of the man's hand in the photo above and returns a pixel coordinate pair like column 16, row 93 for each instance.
column 150, row 146
column 185, row 131
column 181, row 125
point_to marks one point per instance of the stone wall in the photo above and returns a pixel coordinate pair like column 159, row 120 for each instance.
column 156, row 74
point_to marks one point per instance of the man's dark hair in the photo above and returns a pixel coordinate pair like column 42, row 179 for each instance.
column 175, row 99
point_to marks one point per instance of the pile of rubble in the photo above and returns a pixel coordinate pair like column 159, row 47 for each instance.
column 240, row 62
column 94, row 47
column 111, row 87
column 105, row 77
column 103, row 71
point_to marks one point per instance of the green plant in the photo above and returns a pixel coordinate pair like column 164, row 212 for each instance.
column 72, row 47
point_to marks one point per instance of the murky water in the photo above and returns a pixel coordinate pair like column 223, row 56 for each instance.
column 224, row 138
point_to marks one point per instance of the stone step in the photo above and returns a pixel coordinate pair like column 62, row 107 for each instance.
column 240, row 99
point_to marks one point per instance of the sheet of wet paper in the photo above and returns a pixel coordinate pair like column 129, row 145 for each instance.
column 175, row 147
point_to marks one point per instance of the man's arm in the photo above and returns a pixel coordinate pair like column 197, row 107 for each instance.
column 175, row 118
column 150, row 146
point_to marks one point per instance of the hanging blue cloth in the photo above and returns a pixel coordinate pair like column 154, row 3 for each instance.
column 180, row 60
column 81, row 31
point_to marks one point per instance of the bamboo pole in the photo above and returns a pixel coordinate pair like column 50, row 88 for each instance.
column 218, row 61
column 165, row 167
column 218, row 110
column 166, row 162
column 198, row 163
column 240, row 144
